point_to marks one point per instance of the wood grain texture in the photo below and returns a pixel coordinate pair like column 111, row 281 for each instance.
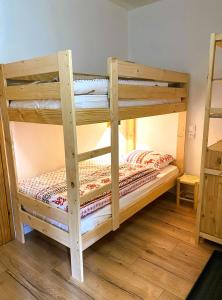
column 45, row 64
column 138, row 92
column 5, row 227
column 43, row 209
column 114, row 118
column 40, row 91
column 149, row 257
column 137, row 71
column 92, row 116
column 6, row 177
column 49, row 230
column 94, row 153
column 10, row 159
column 203, row 181
column 71, row 162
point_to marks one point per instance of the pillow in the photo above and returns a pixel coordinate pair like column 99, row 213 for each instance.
column 150, row 158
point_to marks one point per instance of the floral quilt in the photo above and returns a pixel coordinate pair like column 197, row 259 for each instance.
column 51, row 188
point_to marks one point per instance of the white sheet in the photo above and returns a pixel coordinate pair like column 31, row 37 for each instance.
column 84, row 102
column 101, row 86
column 91, row 221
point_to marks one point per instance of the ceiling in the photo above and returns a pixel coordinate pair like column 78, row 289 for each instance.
column 131, row 4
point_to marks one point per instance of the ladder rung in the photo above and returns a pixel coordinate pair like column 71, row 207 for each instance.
column 216, row 113
column 213, row 172
column 93, row 153
column 95, row 193
column 219, row 44
column 217, row 79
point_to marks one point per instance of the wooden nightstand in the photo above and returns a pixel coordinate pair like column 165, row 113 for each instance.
column 190, row 197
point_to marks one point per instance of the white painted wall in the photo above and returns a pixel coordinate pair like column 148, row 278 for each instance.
column 92, row 29
column 170, row 34
column 175, row 34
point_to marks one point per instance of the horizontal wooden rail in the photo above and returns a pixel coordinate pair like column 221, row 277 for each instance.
column 94, row 235
column 96, row 193
column 50, row 230
column 216, row 113
column 43, row 209
column 150, row 92
column 40, row 91
column 132, row 70
column 219, row 44
column 40, row 65
column 92, row 116
column 93, row 153
column 218, row 37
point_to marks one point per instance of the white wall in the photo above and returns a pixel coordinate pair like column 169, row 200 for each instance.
column 92, row 29
column 175, row 34
column 170, row 34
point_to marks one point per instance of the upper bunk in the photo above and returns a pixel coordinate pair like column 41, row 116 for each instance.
column 32, row 90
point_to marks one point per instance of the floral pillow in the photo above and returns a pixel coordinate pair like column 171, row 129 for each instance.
column 152, row 159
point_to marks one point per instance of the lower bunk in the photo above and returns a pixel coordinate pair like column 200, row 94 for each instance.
column 45, row 208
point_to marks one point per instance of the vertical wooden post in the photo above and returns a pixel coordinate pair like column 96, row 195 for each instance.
column 19, row 233
column 131, row 134
column 181, row 136
column 72, row 170
column 113, row 94
column 206, row 129
column 181, row 132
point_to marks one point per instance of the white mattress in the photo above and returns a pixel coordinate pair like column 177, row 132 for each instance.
column 101, row 86
column 84, row 102
column 89, row 222
column 93, row 94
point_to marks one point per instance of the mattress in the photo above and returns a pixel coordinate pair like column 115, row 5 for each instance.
column 101, row 86
column 51, row 187
column 89, row 222
column 93, row 94
column 86, row 102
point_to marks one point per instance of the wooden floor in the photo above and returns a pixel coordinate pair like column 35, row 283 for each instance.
column 152, row 256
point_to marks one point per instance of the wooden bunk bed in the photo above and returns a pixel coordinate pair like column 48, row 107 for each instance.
column 60, row 64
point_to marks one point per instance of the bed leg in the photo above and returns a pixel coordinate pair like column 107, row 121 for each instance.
column 19, row 234
column 76, row 265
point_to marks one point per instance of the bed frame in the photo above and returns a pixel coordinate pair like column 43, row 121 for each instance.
column 60, row 65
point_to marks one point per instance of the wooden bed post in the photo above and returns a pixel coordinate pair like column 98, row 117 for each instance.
column 181, row 136
column 114, row 117
column 71, row 154
column 181, row 131
column 131, row 134
column 16, row 206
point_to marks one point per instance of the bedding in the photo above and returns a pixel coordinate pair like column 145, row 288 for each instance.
column 85, row 102
column 101, row 86
column 51, row 187
column 93, row 94
column 92, row 220
column 151, row 159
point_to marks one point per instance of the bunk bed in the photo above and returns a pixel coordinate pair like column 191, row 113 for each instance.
column 130, row 95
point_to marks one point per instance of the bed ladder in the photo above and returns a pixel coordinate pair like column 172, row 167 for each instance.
column 210, row 112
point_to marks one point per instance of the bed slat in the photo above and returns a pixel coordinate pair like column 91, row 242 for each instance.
column 40, row 91
column 43, row 209
column 51, row 231
column 136, row 92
